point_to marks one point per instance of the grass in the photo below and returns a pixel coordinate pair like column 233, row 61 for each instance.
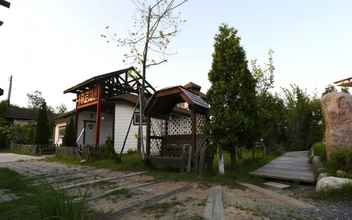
column 342, row 194
column 38, row 202
column 133, row 162
column 319, row 150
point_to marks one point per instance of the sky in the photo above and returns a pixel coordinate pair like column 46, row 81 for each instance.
column 54, row 44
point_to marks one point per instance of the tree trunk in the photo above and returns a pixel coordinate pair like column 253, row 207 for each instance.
column 233, row 158
column 221, row 163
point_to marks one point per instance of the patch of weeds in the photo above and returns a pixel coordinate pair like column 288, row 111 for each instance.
column 202, row 203
column 39, row 202
column 342, row 194
column 161, row 207
column 196, row 217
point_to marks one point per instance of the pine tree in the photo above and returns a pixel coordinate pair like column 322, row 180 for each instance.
column 42, row 128
column 70, row 134
column 231, row 96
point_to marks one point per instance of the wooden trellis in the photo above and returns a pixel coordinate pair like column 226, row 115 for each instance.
column 173, row 134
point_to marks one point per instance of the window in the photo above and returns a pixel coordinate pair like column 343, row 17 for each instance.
column 62, row 131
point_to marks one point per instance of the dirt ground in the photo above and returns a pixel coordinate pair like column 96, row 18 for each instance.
column 132, row 195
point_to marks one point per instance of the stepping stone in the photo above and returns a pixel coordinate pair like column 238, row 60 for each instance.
column 277, row 185
column 214, row 209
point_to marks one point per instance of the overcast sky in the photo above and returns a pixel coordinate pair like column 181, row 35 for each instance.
column 53, row 44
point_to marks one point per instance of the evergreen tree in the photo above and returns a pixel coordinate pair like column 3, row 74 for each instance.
column 70, row 134
column 42, row 128
column 231, row 96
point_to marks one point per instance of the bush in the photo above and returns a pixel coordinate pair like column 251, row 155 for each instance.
column 341, row 160
column 319, row 150
column 70, row 134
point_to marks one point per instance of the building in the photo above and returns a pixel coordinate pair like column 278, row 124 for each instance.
column 107, row 106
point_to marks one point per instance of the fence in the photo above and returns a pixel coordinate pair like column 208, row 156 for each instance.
column 33, row 149
column 87, row 152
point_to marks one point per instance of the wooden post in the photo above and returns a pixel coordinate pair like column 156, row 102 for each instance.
column 98, row 116
column 148, row 138
column 76, row 119
column 194, row 140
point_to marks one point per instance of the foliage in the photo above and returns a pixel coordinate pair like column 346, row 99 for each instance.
column 42, row 133
column 319, row 150
column 232, row 94
column 304, row 119
column 61, row 109
column 35, row 99
column 22, row 134
column 69, row 138
column 4, row 125
column 340, row 159
column 40, row 201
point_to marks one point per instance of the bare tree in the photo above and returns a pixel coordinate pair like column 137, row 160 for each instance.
column 155, row 24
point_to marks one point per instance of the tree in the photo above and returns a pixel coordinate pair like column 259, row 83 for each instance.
column 155, row 25
column 231, row 95
column 70, row 134
column 42, row 133
column 304, row 119
column 61, row 109
column 35, row 99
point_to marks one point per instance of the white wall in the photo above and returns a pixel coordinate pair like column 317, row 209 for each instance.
column 57, row 139
column 123, row 114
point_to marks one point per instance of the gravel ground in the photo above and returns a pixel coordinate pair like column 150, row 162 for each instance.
column 325, row 210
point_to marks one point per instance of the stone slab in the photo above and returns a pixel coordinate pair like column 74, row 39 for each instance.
column 214, row 209
column 277, row 185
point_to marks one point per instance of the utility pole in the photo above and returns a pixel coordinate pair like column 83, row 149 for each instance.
column 5, row 4
column 9, row 93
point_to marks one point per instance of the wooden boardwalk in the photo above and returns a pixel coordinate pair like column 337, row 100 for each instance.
column 293, row 166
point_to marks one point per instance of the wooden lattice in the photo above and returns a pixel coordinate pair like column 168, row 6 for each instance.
column 200, row 123
column 180, row 126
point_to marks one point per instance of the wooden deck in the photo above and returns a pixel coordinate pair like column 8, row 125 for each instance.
column 292, row 166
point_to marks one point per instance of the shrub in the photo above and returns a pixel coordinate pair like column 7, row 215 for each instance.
column 319, row 150
column 341, row 159
column 70, row 134
column 42, row 134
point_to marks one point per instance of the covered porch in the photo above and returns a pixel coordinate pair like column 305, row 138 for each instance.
column 174, row 130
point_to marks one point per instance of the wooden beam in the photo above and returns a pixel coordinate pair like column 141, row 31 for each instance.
column 148, row 138
column 98, row 117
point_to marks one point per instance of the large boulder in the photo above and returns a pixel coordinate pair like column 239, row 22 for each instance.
column 331, row 183
column 337, row 112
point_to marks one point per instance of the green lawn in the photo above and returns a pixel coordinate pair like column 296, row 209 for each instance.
column 133, row 162
column 39, row 202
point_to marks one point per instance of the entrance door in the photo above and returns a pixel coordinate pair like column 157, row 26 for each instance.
column 89, row 133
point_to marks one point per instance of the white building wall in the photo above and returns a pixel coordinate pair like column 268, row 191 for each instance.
column 57, row 139
column 123, row 114
column 106, row 124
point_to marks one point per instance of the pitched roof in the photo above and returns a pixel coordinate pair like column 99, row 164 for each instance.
column 15, row 112
column 19, row 113
column 136, row 78
column 164, row 101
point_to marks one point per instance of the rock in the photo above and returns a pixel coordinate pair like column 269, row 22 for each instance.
column 337, row 112
column 322, row 175
column 329, row 183
column 341, row 173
